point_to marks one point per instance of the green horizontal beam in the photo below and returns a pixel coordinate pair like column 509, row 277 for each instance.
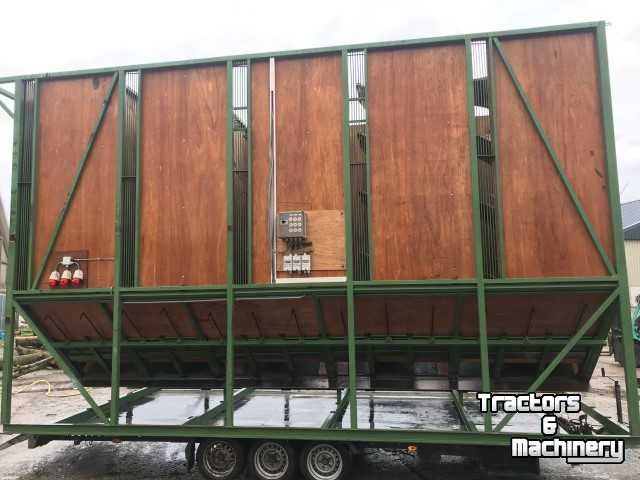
column 316, row 51
column 335, row 341
column 190, row 432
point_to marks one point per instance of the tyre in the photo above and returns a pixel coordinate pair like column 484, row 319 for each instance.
column 272, row 460
column 325, row 461
column 220, row 459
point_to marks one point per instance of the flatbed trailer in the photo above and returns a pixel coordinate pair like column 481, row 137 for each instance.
column 378, row 341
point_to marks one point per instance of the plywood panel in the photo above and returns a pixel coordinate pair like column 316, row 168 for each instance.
column 544, row 235
column 309, row 141
column 183, row 206
column 68, row 112
column 420, row 167
column 260, row 158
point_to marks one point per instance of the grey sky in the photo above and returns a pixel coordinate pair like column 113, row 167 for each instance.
column 51, row 36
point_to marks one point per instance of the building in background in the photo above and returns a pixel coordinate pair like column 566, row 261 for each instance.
column 631, row 228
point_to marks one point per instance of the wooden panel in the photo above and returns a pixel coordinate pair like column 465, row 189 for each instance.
column 260, row 162
column 68, row 111
column 309, row 143
column 325, row 229
column 544, row 235
column 183, row 210
column 420, row 167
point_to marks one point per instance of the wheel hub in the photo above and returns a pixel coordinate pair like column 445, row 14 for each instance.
column 271, row 460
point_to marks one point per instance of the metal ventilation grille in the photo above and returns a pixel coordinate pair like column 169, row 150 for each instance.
column 24, row 234
column 130, row 184
column 486, row 159
column 359, row 161
column 240, row 172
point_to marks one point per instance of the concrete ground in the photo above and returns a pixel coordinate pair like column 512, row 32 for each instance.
column 139, row 461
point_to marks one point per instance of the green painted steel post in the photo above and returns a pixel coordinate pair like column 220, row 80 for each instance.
column 10, row 322
column 491, row 69
column 230, row 356
column 477, row 234
column 618, row 240
column 117, row 264
column 136, row 253
column 351, row 330
column 34, row 183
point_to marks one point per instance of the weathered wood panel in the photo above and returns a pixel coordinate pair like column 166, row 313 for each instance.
column 68, row 111
column 420, row 167
column 183, row 206
column 544, row 235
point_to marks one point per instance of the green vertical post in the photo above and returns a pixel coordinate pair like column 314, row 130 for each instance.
column 351, row 330
column 34, row 176
column 7, row 380
column 477, row 234
column 136, row 248
column 249, row 181
column 491, row 72
column 229, row 370
column 117, row 264
column 624, row 306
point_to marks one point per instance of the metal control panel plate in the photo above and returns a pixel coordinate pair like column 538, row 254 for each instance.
column 292, row 224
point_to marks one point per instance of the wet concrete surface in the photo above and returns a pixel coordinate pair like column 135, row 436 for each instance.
column 131, row 460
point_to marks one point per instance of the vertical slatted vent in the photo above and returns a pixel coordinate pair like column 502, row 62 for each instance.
column 129, row 178
column 25, row 174
column 240, row 172
column 359, row 161
column 486, row 159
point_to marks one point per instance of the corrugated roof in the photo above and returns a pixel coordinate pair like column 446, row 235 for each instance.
column 630, row 214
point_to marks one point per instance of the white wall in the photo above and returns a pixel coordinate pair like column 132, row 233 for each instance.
column 632, row 252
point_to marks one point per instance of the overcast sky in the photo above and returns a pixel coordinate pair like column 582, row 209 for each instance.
column 50, row 36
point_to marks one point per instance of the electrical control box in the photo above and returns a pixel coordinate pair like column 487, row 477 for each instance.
column 292, row 224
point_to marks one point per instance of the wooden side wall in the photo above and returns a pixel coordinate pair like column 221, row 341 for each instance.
column 68, row 111
column 544, row 236
column 420, row 165
column 183, row 201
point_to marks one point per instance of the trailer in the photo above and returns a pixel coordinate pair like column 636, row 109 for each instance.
column 296, row 255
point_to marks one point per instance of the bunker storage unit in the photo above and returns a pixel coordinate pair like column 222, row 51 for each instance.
column 402, row 223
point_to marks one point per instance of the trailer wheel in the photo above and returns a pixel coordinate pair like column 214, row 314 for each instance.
column 220, row 459
column 325, row 461
column 272, row 460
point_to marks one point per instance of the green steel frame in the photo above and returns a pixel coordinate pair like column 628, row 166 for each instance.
column 614, row 285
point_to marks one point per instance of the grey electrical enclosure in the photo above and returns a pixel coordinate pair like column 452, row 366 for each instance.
column 292, row 224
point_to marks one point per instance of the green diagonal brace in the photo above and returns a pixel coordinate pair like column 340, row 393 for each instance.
column 6, row 109
column 467, row 424
column 75, row 181
column 7, row 93
column 220, row 409
column 61, row 362
column 554, row 157
column 334, row 420
column 565, row 350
